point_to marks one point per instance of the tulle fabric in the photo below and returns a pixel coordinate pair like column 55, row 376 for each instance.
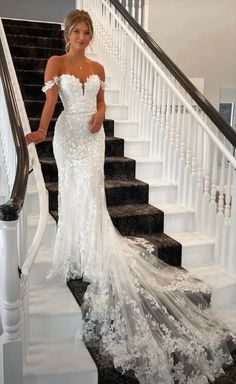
column 151, row 318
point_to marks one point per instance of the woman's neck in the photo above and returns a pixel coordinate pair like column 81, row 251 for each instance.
column 77, row 56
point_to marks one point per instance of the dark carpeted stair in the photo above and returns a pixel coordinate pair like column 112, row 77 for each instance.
column 31, row 43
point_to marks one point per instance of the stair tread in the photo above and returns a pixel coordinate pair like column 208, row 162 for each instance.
column 51, row 160
column 107, row 139
column 160, row 239
column 214, row 275
column 127, row 210
column 155, row 182
column 173, row 208
column 190, row 238
column 59, row 358
column 109, row 184
column 141, row 159
column 31, row 24
column 132, row 209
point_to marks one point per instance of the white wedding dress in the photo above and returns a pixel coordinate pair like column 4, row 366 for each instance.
column 150, row 317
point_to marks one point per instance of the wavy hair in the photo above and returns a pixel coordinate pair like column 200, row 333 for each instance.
column 74, row 17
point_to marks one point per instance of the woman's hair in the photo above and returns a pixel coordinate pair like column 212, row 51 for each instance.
column 74, row 17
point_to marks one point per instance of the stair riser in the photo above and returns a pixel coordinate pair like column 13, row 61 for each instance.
column 117, row 112
column 113, row 170
column 181, row 222
column 126, row 129
column 60, row 327
column 150, row 170
column 119, row 170
column 37, row 78
column 197, row 255
column 107, row 124
column 32, row 24
column 114, row 196
column 111, row 96
column 68, row 378
column 27, row 31
column 136, row 149
column 35, row 52
column 35, row 41
column 34, row 109
column 34, row 92
column 112, row 148
column 162, row 194
column 223, row 298
column 132, row 225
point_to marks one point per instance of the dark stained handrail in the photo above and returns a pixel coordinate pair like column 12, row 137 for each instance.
column 11, row 209
column 200, row 99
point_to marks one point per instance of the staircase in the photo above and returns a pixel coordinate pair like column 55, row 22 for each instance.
column 54, row 314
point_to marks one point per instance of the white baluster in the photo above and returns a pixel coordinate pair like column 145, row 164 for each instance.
column 232, row 237
column 167, row 135
column 171, row 148
column 181, row 165
column 206, row 182
column 177, row 141
column 199, row 186
column 193, row 177
column 133, row 9
column 145, row 15
column 220, row 214
column 140, row 12
column 187, row 169
column 213, row 205
column 226, row 225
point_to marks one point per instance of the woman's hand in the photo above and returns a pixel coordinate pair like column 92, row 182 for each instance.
column 36, row 137
column 96, row 122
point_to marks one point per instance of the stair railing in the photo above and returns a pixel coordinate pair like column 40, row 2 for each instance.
column 14, row 176
column 16, row 259
column 185, row 132
column 138, row 9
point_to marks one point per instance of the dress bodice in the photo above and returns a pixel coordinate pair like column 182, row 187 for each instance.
column 76, row 96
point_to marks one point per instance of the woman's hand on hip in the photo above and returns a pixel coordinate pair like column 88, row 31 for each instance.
column 96, row 122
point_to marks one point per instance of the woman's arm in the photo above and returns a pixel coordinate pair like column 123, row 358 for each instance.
column 51, row 71
column 97, row 119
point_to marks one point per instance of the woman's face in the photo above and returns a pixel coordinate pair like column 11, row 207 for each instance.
column 80, row 36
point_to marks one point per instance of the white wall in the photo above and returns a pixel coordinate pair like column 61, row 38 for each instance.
column 200, row 37
column 42, row 10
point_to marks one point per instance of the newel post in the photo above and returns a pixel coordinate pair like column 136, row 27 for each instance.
column 11, row 343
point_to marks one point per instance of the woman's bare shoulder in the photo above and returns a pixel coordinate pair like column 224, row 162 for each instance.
column 56, row 60
column 98, row 69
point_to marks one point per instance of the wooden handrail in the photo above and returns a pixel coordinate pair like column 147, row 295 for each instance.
column 11, row 209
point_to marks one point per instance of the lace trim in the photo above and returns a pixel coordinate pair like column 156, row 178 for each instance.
column 50, row 83
column 102, row 85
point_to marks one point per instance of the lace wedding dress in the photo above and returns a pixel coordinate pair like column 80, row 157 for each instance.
column 150, row 317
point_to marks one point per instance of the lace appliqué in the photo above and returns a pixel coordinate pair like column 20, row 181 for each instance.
column 103, row 85
column 50, row 83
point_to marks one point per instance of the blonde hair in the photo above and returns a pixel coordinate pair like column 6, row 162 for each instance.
column 74, row 17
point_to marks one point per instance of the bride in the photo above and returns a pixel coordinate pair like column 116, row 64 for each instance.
column 150, row 317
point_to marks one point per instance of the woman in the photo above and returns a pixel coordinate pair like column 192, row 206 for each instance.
column 150, row 317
